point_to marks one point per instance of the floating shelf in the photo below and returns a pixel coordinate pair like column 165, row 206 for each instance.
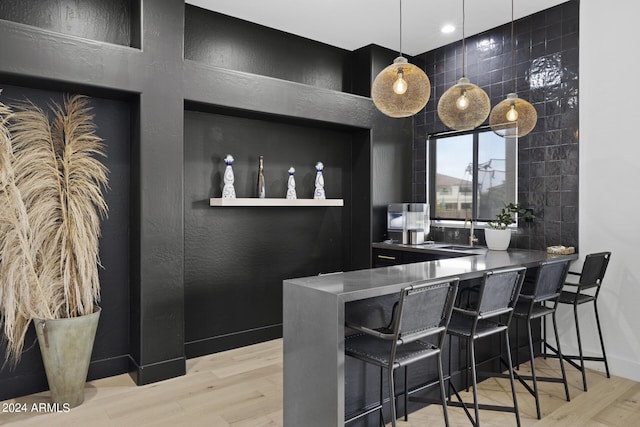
column 274, row 202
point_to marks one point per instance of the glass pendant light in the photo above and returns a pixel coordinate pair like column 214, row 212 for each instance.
column 401, row 89
column 513, row 116
column 464, row 106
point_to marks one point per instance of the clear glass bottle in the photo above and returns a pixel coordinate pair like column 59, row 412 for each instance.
column 261, row 186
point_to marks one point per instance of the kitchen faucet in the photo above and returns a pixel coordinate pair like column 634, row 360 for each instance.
column 472, row 238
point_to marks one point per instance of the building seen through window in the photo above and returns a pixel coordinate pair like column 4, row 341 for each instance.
column 471, row 174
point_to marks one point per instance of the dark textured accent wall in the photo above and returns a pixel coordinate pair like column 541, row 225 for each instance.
column 237, row 257
column 287, row 123
column 547, row 76
column 227, row 42
column 298, row 112
column 102, row 20
column 391, row 153
column 152, row 316
column 111, row 349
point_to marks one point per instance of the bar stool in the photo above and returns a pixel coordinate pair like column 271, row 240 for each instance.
column 591, row 276
column 492, row 314
column 531, row 305
column 423, row 311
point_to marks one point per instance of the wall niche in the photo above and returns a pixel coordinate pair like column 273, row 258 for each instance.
column 109, row 21
column 111, row 349
column 223, row 41
column 237, row 257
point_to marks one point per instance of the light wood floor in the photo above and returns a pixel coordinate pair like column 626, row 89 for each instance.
column 243, row 387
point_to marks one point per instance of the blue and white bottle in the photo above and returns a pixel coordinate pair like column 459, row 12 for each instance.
column 291, row 185
column 318, row 193
column 228, row 191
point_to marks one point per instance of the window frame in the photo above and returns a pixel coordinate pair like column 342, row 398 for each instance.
column 431, row 147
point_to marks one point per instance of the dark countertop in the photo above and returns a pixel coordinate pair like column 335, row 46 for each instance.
column 434, row 248
column 315, row 310
column 360, row 284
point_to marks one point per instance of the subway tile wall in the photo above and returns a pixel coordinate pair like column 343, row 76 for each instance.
column 546, row 74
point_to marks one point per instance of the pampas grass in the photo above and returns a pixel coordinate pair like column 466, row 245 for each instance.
column 51, row 205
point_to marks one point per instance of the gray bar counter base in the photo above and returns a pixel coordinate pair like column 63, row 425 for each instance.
column 314, row 316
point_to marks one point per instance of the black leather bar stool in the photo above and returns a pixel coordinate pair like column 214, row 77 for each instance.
column 539, row 299
column 491, row 315
column 587, row 290
column 420, row 317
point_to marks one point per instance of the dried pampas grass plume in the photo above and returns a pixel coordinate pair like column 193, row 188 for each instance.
column 51, row 190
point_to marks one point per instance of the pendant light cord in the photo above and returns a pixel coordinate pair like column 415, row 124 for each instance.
column 513, row 52
column 464, row 51
column 400, row 28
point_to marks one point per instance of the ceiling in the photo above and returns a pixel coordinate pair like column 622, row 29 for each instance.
column 352, row 24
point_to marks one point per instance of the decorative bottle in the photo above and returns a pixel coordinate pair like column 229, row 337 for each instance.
column 228, row 191
column 319, row 191
column 291, row 185
column 261, row 187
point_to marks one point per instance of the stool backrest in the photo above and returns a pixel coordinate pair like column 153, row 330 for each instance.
column 550, row 279
column 424, row 309
column 499, row 291
column 593, row 269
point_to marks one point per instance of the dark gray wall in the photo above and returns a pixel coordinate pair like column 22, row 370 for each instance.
column 171, row 103
column 236, row 258
column 37, row 58
column 223, row 41
column 175, row 278
column 111, row 350
column 391, row 155
column 547, row 76
column 106, row 21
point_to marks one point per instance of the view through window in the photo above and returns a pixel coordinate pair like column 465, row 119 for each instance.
column 471, row 175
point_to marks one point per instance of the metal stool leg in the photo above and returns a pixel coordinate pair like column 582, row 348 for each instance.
column 584, row 375
column 406, row 395
column 382, row 423
column 443, row 396
column 468, row 356
column 474, row 379
column 533, row 371
column 564, row 375
column 604, row 355
column 517, row 344
column 392, row 394
column 449, row 383
column 513, row 383
column 544, row 336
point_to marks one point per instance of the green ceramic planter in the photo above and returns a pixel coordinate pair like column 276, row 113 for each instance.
column 66, row 346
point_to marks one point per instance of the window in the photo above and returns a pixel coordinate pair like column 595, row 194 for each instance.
column 470, row 174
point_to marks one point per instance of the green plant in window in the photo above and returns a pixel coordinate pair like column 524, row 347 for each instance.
column 507, row 216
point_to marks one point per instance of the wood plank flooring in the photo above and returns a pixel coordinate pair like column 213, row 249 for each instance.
column 243, row 387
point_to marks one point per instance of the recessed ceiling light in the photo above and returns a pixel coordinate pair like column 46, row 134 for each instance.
column 448, row 29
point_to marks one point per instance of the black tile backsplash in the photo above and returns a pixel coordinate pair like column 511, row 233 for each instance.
column 546, row 74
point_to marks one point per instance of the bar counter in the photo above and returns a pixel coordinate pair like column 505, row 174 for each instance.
column 314, row 313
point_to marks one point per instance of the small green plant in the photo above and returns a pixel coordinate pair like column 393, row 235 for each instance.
column 507, row 216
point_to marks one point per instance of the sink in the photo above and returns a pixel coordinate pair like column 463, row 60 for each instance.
column 457, row 248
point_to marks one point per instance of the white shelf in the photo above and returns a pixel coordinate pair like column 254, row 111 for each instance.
column 275, row 202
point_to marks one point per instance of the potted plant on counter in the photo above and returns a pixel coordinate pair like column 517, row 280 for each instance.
column 51, row 205
column 498, row 235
